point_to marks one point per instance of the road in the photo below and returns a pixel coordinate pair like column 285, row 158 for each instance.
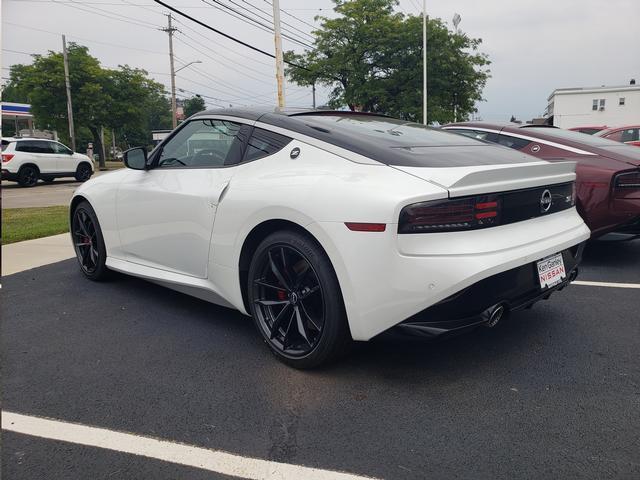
column 553, row 392
column 43, row 195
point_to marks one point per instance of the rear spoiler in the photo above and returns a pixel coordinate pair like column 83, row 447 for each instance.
column 513, row 178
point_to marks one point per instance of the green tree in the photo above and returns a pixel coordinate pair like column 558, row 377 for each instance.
column 193, row 105
column 122, row 99
column 371, row 58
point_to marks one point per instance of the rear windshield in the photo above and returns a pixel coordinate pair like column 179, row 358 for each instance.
column 389, row 131
column 396, row 142
column 5, row 144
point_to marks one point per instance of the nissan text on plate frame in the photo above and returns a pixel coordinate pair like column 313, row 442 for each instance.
column 328, row 227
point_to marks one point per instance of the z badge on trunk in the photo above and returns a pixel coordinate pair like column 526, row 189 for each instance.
column 551, row 270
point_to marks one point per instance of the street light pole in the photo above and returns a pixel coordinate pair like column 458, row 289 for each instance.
column 186, row 65
column 424, row 61
column 279, row 58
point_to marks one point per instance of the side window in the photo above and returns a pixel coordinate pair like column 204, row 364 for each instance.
column 469, row 133
column 34, row 146
column 60, row 149
column 629, row 135
column 513, row 142
column 263, row 143
column 616, row 136
column 204, row 144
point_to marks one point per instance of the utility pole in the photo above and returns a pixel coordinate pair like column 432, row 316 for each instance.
column 113, row 143
column 174, row 112
column 102, row 149
column 67, row 84
column 313, row 89
column 424, row 61
column 279, row 59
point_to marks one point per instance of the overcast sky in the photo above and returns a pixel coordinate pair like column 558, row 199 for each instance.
column 534, row 46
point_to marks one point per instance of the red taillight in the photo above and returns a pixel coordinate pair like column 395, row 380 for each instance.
column 450, row 215
column 6, row 157
column 366, row 227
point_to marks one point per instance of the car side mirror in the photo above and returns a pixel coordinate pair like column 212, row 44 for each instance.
column 136, row 158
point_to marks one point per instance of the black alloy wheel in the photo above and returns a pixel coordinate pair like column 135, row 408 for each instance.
column 296, row 302
column 28, row 176
column 83, row 172
column 88, row 242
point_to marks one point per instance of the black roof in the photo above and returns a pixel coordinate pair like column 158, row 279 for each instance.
column 385, row 139
column 256, row 113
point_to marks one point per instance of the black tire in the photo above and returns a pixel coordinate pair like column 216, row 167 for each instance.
column 46, row 178
column 83, row 172
column 28, row 176
column 88, row 242
column 296, row 302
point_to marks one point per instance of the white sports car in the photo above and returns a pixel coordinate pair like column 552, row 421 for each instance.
column 328, row 226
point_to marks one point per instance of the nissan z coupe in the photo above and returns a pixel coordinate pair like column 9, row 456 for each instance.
column 331, row 226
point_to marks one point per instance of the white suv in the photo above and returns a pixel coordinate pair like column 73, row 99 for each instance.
column 25, row 160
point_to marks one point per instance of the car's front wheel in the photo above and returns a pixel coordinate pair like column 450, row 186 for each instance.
column 88, row 242
column 296, row 302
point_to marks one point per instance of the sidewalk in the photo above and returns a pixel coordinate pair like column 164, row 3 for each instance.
column 20, row 256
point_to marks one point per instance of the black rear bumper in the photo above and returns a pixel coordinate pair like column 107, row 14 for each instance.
column 514, row 290
column 7, row 175
column 631, row 228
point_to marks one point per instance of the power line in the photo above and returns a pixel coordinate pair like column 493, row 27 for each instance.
column 17, row 51
column 111, row 16
column 269, row 17
column 270, row 77
column 226, row 47
column 245, row 18
column 84, row 39
column 230, row 37
column 285, row 11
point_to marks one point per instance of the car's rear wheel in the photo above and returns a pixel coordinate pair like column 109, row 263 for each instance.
column 83, row 172
column 88, row 242
column 296, row 302
column 28, row 176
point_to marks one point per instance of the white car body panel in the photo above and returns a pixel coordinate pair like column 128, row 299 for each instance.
column 185, row 228
column 184, row 207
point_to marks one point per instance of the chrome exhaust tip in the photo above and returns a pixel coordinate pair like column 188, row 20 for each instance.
column 495, row 314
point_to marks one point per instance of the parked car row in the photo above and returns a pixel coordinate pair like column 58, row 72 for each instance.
column 26, row 160
column 629, row 134
column 608, row 173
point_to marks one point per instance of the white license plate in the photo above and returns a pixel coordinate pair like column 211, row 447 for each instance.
column 551, row 270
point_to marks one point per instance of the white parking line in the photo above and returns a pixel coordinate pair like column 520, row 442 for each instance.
column 189, row 455
column 606, row 284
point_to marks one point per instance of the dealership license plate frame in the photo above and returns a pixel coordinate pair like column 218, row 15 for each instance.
column 551, row 271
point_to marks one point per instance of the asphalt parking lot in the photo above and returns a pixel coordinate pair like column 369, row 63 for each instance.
column 58, row 192
column 554, row 392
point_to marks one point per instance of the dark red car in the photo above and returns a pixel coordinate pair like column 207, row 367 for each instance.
column 608, row 172
column 589, row 130
column 629, row 134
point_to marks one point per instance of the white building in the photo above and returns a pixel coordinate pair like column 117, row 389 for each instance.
column 598, row 106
